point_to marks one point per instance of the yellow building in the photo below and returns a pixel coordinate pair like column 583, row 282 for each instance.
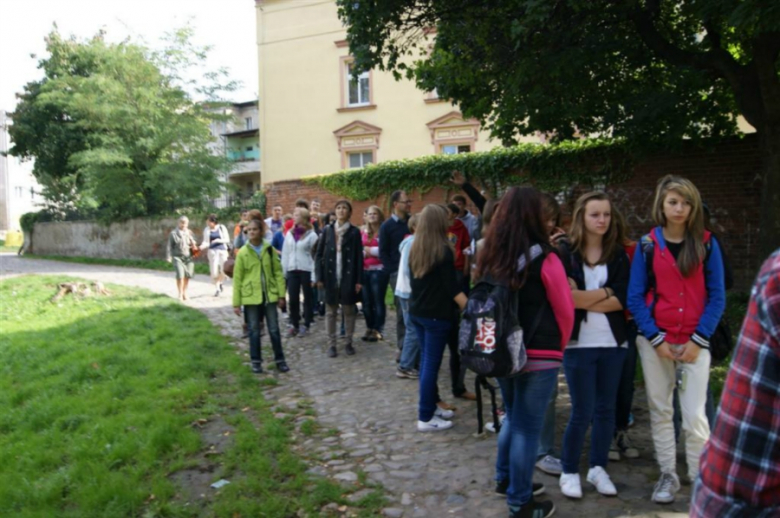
column 314, row 119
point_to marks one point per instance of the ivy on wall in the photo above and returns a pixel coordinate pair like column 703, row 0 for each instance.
column 550, row 167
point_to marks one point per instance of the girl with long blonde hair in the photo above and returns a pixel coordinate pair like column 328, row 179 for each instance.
column 436, row 298
column 677, row 297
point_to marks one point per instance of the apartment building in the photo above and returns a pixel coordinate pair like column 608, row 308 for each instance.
column 238, row 139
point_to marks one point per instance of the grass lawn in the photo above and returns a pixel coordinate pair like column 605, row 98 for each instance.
column 146, row 264
column 101, row 401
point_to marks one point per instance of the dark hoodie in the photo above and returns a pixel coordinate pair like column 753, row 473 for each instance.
column 458, row 235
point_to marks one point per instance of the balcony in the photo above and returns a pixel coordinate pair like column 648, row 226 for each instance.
column 243, row 156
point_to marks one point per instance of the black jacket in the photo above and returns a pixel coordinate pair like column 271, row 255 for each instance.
column 351, row 265
column 618, row 270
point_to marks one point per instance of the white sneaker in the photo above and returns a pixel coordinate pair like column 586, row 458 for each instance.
column 434, row 425
column 599, row 478
column 444, row 414
column 665, row 489
column 571, row 485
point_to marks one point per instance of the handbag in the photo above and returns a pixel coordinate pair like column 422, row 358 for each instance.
column 194, row 248
column 229, row 266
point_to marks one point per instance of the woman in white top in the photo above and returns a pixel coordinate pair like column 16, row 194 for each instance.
column 216, row 240
column 598, row 271
column 298, row 266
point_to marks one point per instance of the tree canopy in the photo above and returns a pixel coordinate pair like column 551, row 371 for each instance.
column 120, row 128
column 651, row 71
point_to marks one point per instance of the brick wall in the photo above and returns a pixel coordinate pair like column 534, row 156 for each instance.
column 727, row 176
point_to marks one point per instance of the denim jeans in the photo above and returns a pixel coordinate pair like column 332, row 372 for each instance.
column 410, row 355
column 525, row 398
column 547, row 437
column 374, row 290
column 255, row 315
column 432, row 334
column 593, row 375
column 298, row 280
column 400, row 327
column 625, row 392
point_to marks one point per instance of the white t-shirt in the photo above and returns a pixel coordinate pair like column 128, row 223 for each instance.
column 595, row 330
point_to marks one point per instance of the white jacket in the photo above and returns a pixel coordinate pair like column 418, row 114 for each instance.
column 299, row 255
column 224, row 237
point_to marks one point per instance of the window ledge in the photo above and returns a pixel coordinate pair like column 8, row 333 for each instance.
column 436, row 100
column 356, row 108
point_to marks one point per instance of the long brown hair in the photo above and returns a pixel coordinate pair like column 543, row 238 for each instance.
column 430, row 240
column 609, row 242
column 374, row 231
column 516, row 226
column 306, row 215
column 693, row 250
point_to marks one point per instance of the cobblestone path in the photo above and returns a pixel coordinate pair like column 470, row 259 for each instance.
column 373, row 415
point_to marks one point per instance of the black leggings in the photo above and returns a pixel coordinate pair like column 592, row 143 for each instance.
column 297, row 280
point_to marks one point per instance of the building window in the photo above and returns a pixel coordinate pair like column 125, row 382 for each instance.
column 248, row 121
column 358, row 90
column 360, row 159
column 19, row 191
column 455, row 149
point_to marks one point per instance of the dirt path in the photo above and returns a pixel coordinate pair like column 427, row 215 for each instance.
column 373, row 414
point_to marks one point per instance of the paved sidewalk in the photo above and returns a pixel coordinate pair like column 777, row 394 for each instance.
column 425, row 475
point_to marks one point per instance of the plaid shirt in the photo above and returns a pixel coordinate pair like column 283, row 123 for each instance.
column 740, row 465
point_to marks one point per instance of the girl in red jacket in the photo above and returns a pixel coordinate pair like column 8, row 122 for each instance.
column 677, row 296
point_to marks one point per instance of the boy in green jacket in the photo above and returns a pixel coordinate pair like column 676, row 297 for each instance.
column 258, row 285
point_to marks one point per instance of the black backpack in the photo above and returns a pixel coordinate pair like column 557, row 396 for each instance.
column 721, row 341
column 490, row 338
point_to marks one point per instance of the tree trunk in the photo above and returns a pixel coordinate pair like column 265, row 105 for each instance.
column 769, row 233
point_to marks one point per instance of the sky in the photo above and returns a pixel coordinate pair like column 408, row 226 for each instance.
column 227, row 25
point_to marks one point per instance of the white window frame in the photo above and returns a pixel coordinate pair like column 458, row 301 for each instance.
column 349, row 81
column 457, row 147
column 362, row 154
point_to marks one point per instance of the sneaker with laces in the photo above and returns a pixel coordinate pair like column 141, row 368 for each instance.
column 624, row 445
column 600, row 479
column 550, row 465
column 571, row 485
column 436, row 424
column 444, row 414
column 534, row 510
column 282, row 366
column 614, row 451
column 303, row 331
column 257, row 367
column 665, row 489
column 411, row 374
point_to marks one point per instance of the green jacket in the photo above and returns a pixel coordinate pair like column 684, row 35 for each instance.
column 247, row 287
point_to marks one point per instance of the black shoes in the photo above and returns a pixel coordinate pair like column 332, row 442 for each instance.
column 257, row 367
column 332, row 352
column 282, row 367
column 503, row 485
column 534, row 510
column 350, row 350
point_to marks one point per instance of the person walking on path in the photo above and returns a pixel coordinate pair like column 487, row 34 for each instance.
column 594, row 358
column 298, row 266
column 517, row 252
column 375, row 278
column 391, row 233
column 339, row 263
column 739, row 464
column 677, row 301
column 259, row 287
column 216, row 240
column 435, row 300
column 179, row 253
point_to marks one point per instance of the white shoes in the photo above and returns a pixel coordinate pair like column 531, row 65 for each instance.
column 436, row 424
column 443, row 413
column 599, row 478
column 570, row 485
column 665, row 489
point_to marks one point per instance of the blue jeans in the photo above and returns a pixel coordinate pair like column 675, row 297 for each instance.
column 432, row 334
column 255, row 315
column 547, row 437
column 410, row 355
column 593, row 375
column 374, row 290
column 525, row 398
